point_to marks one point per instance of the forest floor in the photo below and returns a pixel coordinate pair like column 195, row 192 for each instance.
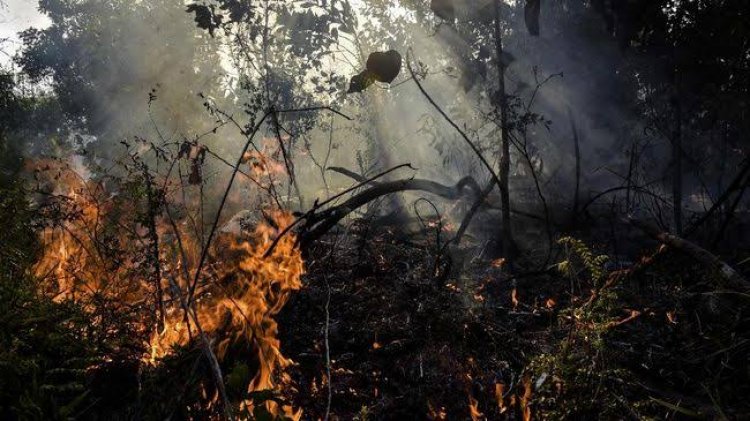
column 661, row 339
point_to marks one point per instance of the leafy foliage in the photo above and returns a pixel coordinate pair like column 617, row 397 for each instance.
column 205, row 18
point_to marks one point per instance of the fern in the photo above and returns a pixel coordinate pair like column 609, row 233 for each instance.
column 593, row 264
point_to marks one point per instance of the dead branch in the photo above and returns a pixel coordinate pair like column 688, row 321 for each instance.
column 468, row 141
column 479, row 194
column 448, row 192
column 734, row 279
column 469, row 182
column 318, row 224
column 311, row 213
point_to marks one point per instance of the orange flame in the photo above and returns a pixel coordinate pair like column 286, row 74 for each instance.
column 253, row 290
column 499, row 396
column 525, row 400
column 438, row 414
column 474, row 409
column 237, row 298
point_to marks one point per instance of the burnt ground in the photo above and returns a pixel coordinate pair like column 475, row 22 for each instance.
column 663, row 339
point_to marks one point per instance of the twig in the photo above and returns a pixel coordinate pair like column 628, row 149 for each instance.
column 454, row 125
column 577, row 148
column 287, row 159
column 728, row 218
column 469, row 216
column 192, row 314
column 328, row 351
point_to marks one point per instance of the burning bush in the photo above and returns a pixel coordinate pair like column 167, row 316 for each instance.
column 113, row 249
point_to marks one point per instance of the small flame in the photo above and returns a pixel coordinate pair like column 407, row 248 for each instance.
column 525, row 400
column 438, row 414
column 474, row 409
column 499, row 397
column 672, row 317
column 633, row 314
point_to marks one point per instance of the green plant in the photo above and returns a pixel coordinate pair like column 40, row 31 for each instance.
column 584, row 379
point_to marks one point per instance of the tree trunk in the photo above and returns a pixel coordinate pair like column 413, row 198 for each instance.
column 677, row 165
column 502, row 103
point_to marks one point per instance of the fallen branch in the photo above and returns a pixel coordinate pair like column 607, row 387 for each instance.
column 310, row 213
column 734, row 279
column 448, row 192
column 318, row 224
column 466, row 182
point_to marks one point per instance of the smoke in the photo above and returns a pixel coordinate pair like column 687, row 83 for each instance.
column 123, row 69
column 143, row 65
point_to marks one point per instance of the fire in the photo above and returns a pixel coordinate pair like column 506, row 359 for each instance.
column 474, row 409
column 262, row 165
column 500, row 397
column 79, row 261
column 236, row 299
column 252, row 290
column 525, row 400
column 436, row 414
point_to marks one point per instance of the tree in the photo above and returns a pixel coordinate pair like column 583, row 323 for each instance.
column 105, row 59
column 698, row 48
